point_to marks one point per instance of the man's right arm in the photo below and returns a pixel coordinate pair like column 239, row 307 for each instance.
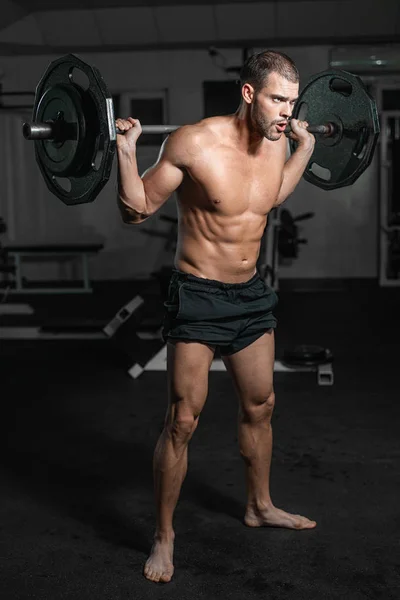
column 139, row 197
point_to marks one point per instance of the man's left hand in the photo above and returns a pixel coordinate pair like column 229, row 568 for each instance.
column 300, row 134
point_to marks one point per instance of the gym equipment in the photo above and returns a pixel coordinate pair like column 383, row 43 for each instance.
column 73, row 129
column 5, row 265
column 62, row 253
column 77, row 117
column 122, row 316
column 307, row 356
column 310, row 358
column 288, row 233
column 393, row 254
column 340, row 157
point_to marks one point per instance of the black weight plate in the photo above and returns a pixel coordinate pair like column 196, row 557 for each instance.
column 341, row 97
column 305, row 355
column 96, row 139
column 62, row 158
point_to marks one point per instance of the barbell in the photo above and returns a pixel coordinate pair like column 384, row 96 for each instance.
column 48, row 130
column 73, row 129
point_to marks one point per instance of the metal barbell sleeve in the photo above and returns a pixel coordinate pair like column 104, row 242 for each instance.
column 38, row 131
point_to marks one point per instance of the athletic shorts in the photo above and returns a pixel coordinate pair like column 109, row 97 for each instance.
column 228, row 316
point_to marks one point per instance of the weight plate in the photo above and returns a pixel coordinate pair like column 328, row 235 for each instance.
column 340, row 97
column 62, row 104
column 304, row 355
column 75, row 170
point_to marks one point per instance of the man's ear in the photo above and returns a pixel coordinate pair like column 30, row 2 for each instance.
column 248, row 93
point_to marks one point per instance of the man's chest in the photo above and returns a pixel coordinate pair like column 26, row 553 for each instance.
column 233, row 184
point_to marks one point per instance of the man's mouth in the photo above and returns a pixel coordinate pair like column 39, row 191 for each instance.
column 281, row 126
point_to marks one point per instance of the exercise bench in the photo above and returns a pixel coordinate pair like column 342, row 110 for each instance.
column 60, row 252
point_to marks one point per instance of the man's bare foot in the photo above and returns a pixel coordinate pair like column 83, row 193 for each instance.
column 159, row 565
column 275, row 517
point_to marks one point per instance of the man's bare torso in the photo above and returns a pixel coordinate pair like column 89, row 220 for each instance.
column 224, row 199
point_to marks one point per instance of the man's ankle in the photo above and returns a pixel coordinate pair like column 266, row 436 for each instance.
column 164, row 535
column 259, row 505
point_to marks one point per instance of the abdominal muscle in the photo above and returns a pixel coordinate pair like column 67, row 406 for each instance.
column 219, row 247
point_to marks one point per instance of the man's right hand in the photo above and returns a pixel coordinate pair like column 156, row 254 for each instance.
column 132, row 129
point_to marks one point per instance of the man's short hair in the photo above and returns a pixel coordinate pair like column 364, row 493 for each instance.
column 258, row 66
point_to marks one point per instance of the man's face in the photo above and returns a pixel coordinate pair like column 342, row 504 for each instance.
column 272, row 106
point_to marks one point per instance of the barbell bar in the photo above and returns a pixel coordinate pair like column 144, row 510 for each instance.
column 49, row 130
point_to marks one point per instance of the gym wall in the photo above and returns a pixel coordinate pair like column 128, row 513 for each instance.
column 341, row 236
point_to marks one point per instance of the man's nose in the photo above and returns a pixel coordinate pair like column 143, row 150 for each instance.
column 286, row 110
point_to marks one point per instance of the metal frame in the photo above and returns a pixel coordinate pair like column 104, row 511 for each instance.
column 19, row 288
column 268, row 260
column 383, row 200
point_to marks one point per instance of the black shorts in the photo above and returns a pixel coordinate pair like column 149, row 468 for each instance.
column 229, row 316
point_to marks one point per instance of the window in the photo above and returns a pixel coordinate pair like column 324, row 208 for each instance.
column 149, row 107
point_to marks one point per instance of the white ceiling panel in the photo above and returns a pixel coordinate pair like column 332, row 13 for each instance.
column 127, row 25
column 25, row 30
column 70, row 27
column 185, row 23
column 245, row 21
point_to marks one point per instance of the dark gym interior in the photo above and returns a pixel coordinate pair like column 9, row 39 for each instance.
column 82, row 356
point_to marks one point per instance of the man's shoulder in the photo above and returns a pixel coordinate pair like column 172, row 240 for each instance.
column 191, row 140
column 208, row 127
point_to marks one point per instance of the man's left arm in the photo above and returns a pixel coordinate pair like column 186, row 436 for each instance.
column 295, row 166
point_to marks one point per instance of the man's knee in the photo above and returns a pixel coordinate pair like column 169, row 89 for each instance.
column 182, row 427
column 183, row 415
column 258, row 407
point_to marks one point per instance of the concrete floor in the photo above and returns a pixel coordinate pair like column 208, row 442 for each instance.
column 78, row 434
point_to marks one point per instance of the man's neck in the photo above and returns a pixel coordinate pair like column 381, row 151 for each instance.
column 248, row 139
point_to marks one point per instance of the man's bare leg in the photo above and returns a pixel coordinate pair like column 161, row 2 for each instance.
column 252, row 372
column 255, row 440
column 188, row 367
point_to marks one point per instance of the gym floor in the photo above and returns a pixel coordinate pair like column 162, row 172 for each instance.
column 78, row 435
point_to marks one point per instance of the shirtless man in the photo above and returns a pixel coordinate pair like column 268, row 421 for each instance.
column 228, row 172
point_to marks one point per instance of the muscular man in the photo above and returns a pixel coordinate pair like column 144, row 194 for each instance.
column 228, row 172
